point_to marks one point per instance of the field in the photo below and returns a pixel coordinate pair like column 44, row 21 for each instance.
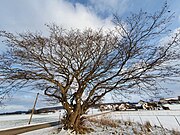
column 10, row 121
column 166, row 119
column 169, row 119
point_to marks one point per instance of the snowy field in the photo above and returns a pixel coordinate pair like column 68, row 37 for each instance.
column 9, row 121
column 168, row 119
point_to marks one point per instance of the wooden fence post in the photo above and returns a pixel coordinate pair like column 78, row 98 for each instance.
column 33, row 108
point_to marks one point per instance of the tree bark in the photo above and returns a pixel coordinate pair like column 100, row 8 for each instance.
column 73, row 121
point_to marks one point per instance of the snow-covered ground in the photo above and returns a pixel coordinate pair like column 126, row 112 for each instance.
column 173, row 106
column 8, row 121
column 134, row 129
column 168, row 119
column 129, row 123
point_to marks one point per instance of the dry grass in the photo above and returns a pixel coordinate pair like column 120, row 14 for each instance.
column 104, row 122
column 125, row 126
column 175, row 132
column 128, row 123
column 147, row 126
column 135, row 131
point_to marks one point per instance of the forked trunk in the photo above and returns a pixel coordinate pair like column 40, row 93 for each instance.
column 73, row 120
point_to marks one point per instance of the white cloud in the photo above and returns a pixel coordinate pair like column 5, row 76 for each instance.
column 20, row 15
column 31, row 15
column 77, row 16
column 170, row 37
column 23, row 100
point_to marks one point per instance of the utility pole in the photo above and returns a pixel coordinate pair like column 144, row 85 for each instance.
column 33, row 108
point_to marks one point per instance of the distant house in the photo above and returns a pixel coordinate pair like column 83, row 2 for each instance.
column 170, row 100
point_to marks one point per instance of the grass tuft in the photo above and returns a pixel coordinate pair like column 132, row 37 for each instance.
column 104, row 122
column 175, row 132
column 147, row 126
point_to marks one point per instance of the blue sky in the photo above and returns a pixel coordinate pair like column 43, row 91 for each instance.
column 31, row 15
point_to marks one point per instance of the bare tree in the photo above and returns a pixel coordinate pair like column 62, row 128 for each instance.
column 78, row 68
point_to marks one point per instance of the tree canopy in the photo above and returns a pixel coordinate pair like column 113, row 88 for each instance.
column 78, row 68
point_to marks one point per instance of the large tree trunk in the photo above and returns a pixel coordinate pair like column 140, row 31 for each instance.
column 73, row 119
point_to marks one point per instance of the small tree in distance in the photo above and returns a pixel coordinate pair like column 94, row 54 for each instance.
column 78, row 68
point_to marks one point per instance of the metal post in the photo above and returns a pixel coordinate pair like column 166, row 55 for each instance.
column 176, row 120
column 33, row 108
column 163, row 129
column 140, row 119
column 141, row 122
